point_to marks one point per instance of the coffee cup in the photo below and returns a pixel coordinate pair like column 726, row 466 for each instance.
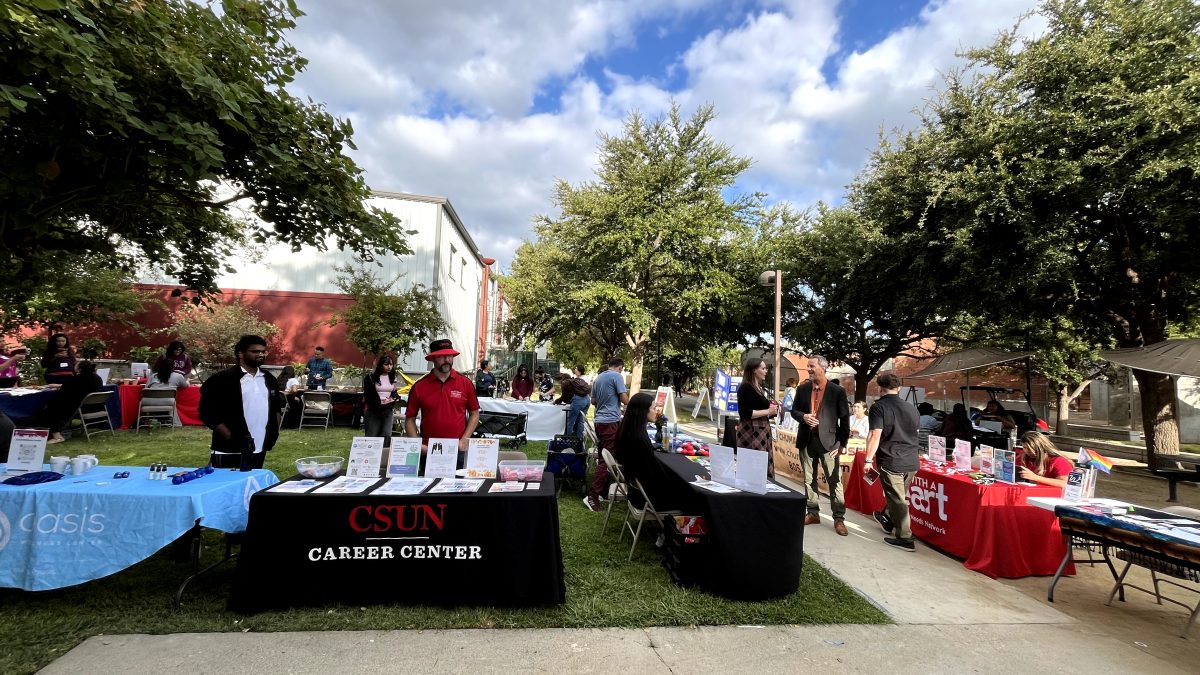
column 58, row 464
column 82, row 464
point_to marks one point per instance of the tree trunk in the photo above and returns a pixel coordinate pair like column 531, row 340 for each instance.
column 1063, row 413
column 635, row 373
column 1158, row 415
column 860, row 387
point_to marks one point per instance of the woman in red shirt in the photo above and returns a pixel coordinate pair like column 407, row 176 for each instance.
column 1041, row 462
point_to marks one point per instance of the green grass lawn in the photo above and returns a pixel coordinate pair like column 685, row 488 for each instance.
column 602, row 588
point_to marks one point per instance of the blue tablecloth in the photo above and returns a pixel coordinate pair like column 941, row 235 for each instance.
column 81, row 528
column 23, row 409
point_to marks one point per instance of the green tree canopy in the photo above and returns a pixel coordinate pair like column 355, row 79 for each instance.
column 211, row 332
column 128, row 128
column 84, row 289
column 381, row 319
column 647, row 245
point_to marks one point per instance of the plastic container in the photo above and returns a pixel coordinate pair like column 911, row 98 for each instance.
column 322, row 466
column 522, row 469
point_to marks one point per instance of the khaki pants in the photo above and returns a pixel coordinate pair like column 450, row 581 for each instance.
column 828, row 463
column 895, row 490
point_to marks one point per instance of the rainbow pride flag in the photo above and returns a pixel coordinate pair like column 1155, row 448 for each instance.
column 1094, row 459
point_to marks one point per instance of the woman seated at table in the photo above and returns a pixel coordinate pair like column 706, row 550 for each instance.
column 634, row 452
column 57, row 413
column 957, row 425
column 290, row 386
column 1041, row 462
column 522, row 384
column 165, row 376
column 994, row 412
column 174, row 355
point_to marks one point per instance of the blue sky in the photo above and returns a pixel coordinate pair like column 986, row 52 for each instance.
column 488, row 104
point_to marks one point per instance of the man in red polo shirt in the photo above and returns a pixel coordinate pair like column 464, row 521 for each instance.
column 443, row 397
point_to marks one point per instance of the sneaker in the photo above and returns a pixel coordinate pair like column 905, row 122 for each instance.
column 902, row 544
column 590, row 505
column 884, row 522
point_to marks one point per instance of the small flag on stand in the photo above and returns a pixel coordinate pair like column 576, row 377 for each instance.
column 1094, row 459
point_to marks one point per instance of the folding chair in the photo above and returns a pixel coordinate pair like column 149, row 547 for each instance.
column 591, row 443
column 318, row 406
column 511, row 456
column 640, row 515
column 157, row 404
column 1158, row 566
column 618, row 490
column 93, row 412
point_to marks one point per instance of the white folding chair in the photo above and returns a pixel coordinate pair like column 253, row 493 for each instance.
column 618, row 490
column 93, row 412
column 640, row 514
column 318, row 407
column 158, row 405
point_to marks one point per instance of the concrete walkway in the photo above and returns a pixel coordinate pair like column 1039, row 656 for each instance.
column 948, row 619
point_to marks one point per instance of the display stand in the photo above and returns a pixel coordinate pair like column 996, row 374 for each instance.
column 703, row 405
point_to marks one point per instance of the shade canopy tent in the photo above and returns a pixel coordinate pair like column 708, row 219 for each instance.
column 968, row 359
column 1169, row 357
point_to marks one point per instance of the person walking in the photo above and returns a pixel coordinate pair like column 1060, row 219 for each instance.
column 822, row 410
column 608, row 395
column 893, row 439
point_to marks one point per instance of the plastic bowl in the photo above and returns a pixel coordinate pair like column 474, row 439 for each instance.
column 322, row 466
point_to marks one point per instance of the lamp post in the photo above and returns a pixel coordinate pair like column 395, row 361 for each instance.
column 775, row 278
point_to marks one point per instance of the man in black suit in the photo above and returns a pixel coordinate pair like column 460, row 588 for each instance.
column 823, row 412
column 241, row 405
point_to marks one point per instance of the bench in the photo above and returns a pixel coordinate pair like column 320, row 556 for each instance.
column 508, row 426
column 1174, row 469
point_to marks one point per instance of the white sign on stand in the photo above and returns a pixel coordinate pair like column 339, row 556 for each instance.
column 366, row 455
column 937, row 449
column 721, row 464
column 405, row 458
column 703, row 405
column 27, row 451
column 750, row 472
column 441, row 461
column 962, row 455
column 482, row 455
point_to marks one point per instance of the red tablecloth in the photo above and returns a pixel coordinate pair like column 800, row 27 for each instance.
column 991, row 527
column 187, row 403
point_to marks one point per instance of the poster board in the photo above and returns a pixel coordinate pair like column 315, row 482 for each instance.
column 788, row 462
column 366, row 456
column 442, row 459
column 404, row 461
column 937, row 449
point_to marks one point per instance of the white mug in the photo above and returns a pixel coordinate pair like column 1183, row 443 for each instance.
column 82, row 464
column 58, row 464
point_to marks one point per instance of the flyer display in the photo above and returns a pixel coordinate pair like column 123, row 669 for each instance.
column 442, row 459
column 937, row 449
column 366, row 456
column 405, row 458
column 986, row 460
column 27, row 451
column 962, row 455
column 482, row 456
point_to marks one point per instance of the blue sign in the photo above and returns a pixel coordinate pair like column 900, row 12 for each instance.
column 725, row 391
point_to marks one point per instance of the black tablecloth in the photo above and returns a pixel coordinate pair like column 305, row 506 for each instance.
column 449, row 549
column 757, row 541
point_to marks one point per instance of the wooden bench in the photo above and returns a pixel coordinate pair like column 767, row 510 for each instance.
column 1175, row 468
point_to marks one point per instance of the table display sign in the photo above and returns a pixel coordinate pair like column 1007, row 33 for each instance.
column 405, row 458
column 937, row 449
column 1005, row 466
column 721, row 463
column 962, row 455
column 346, row 485
column 1081, row 484
column 27, row 452
column 482, row 456
column 298, row 487
column 987, row 464
column 442, row 459
column 787, row 457
column 140, row 370
column 750, row 471
column 404, row 485
column 366, row 455
column 457, row 485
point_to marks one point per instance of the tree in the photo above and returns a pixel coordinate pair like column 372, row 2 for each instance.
column 1062, row 178
column 130, row 128
column 647, row 244
column 211, row 332
column 82, row 290
column 381, row 319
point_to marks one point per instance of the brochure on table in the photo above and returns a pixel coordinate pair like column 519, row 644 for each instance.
column 442, row 459
column 27, row 451
column 509, row 486
column 345, row 485
column 987, row 464
column 1081, row 484
column 457, row 485
column 404, row 486
column 962, row 455
column 296, row 486
column 937, row 449
column 404, row 461
column 482, row 455
column 366, row 455
column 1005, row 464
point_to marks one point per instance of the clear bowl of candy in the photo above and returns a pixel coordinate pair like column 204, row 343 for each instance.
column 522, row 469
column 322, row 466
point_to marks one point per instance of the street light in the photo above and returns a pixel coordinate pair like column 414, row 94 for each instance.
column 775, row 278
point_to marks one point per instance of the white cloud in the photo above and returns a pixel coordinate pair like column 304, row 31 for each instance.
column 396, row 70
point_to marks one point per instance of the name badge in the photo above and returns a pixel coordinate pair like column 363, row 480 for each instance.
column 63, row 365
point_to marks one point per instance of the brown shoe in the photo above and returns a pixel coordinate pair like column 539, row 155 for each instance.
column 839, row 526
column 812, row 519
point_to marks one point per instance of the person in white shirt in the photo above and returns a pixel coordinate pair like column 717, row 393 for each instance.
column 860, row 424
column 241, row 405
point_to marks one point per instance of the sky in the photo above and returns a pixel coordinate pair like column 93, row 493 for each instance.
column 490, row 103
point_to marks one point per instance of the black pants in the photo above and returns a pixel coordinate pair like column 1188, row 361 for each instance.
column 225, row 460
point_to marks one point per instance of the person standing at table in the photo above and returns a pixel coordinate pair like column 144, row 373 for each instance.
column 176, row 355
column 10, row 365
column 522, row 384
column 319, row 368
column 893, row 439
column 860, row 426
column 443, row 397
column 608, row 395
column 755, row 410
column 485, row 381
column 379, row 390
column 241, row 405
column 58, row 360
column 576, row 392
column 824, row 416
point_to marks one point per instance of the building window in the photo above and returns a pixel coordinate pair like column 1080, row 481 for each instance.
column 450, row 263
column 462, row 277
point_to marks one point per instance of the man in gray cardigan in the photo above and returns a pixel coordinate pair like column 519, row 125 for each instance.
column 823, row 412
